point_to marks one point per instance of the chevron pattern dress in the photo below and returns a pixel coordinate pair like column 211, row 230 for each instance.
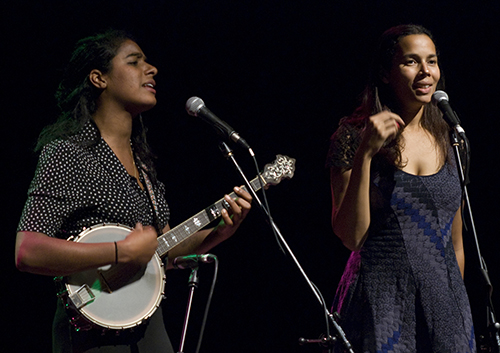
column 403, row 291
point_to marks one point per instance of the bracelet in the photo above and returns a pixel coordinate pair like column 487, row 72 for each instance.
column 116, row 253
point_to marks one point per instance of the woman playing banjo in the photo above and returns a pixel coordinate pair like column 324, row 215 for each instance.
column 95, row 167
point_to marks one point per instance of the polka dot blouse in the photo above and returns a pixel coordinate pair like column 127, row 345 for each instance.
column 78, row 185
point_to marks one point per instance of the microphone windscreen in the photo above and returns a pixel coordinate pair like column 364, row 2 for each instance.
column 193, row 105
column 439, row 96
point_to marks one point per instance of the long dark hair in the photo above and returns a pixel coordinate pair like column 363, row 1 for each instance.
column 378, row 96
column 76, row 96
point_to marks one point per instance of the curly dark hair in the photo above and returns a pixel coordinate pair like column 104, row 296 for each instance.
column 377, row 96
column 76, row 96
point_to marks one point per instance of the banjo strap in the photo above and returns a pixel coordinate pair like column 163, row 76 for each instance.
column 152, row 198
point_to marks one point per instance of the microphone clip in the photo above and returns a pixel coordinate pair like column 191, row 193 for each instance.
column 192, row 261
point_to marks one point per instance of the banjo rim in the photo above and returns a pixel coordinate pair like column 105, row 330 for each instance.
column 84, row 318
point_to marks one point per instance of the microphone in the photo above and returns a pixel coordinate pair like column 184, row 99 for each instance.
column 192, row 261
column 440, row 99
column 196, row 107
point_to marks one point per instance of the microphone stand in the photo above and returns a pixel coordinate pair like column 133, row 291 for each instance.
column 192, row 284
column 228, row 154
column 492, row 324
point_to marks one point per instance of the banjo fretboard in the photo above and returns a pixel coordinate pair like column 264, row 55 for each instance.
column 187, row 228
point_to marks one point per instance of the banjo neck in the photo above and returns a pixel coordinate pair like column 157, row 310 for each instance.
column 273, row 173
column 183, row 231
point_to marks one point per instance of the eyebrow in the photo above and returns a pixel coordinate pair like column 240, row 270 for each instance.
column 414, row 54
column 137, row 55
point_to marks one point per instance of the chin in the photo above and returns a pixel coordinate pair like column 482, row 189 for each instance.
column 424, row 99
column 427, row 100
column 147, row 107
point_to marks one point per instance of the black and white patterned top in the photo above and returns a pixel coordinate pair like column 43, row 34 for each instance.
column 78, row 184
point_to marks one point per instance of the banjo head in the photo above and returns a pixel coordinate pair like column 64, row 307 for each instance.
column 115, row 296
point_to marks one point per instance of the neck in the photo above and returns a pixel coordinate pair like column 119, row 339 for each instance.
column 412, row 117
column 115, row 129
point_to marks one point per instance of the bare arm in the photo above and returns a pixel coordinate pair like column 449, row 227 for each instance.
column 458, row 245
column 351, row 204
column 40, row 254
column 351, row 189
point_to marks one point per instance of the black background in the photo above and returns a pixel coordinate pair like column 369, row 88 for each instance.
column 282, row 73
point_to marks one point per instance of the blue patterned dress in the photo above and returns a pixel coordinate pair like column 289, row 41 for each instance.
column 403, row 291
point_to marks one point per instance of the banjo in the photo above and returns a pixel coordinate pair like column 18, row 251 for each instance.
column 123, row 296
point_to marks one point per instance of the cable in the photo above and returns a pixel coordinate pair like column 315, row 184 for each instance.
column 209, row 300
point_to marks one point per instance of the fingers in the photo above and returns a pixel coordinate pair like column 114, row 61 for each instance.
column 139, row 245
column 145, row 231
column 239, row 207
column 245, row 199
column 381, row 128
column 394, row 121
column 227, row 218
column 386, row 122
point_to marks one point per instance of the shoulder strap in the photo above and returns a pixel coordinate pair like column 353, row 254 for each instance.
column 152, row 198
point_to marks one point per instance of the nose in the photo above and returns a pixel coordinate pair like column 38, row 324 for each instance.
column 151, row 70
column 424, row 68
